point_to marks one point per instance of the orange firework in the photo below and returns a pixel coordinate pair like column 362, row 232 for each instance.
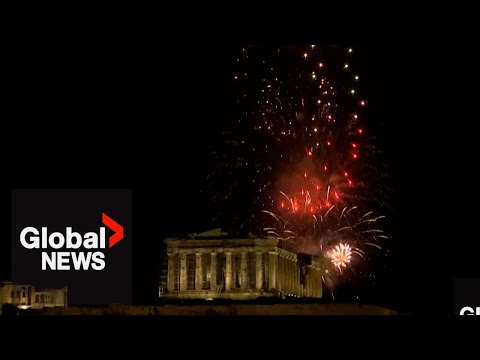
column 340, row 255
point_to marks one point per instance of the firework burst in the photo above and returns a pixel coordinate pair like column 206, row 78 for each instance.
column 340, row 255
column 303, row 155
column 340, row 235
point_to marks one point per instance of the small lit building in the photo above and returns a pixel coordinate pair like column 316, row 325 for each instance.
column 216, row 265
column 28, row 296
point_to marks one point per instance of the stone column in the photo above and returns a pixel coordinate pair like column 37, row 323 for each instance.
column 183, row 271
column 171, row 272
column 272, row 270
column 289, row 274
column 302, row 285
column 213, row 271
column 319, row 284
column 294, row 276
column 312, row 281
column 243, row 270
column 198, row 271
column 280, row 277
column 307, row 281
column 297, row 278
column 258, row 266
column 281, row 273
column 228, row 271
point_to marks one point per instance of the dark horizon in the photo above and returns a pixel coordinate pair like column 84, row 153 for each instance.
column 148, row 122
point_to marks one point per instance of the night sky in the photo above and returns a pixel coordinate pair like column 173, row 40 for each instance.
column 83, row 115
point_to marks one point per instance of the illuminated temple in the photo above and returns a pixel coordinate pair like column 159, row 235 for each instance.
column 216, row 265
column 28, row 296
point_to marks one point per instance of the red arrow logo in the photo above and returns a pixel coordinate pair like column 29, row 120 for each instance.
column 116, row 227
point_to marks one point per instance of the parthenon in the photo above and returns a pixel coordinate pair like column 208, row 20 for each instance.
column 215, row 265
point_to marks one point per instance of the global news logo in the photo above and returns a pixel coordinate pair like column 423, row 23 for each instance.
column 92, row 243
column 468, row 310
column 466, row 292
column 80, row 238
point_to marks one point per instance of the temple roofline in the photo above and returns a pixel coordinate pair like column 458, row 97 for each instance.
column 234, row 241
